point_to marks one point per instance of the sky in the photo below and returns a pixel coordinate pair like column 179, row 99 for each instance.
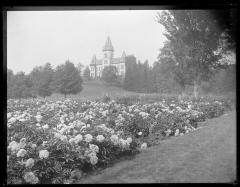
column 37, row 37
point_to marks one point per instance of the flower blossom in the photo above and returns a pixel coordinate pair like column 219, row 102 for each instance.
column 144, row 146
column 93, row 159
column 29, row 177
column 29, row 163
column 176, row 132
column 114, row 139
column 100, row 138
column 43, row 154
column 88, row 138
column 129, row 140
column 94, row 148
column 21, row 153
column 78, row 138
column 14, row 146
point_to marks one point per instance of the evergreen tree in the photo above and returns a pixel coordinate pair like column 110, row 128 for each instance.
column 67, row 79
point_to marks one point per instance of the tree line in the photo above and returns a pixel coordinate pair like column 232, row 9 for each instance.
column 159, row 78
column 44, row 80
column 192, row 55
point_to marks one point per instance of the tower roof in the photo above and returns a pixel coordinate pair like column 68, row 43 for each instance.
column 108, row 45
column 123, row 54
column 94, row 59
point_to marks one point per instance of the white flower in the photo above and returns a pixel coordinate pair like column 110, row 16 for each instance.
column 88, row 125
column 88, row 137
column 29, row 163
column 21, row 153
column 124, row 143
column 29, row 177
column 140, row 133
column 43, row 154
column 129, row 140
column 176, row 132
column 14, row 146
column 9, row 115
column 93, row 159
column 38, row 118
column 144, row 146
column 38, row 125
column 94, row 148
column 45, row 126
column 100, row 138
column 72, row 140
column 114, row 139
column 12, row 120
column 78, row 138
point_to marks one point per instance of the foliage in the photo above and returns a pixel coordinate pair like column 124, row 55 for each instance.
column 62, row 141
column 109, row 74
column 195, row 42
column 86, row 73
column 67, row 79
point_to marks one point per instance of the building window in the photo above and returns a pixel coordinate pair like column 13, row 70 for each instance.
column 105, row 55
column 122, row 66
column 105, row 62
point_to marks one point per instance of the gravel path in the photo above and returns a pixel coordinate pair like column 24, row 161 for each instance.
column 205, row 155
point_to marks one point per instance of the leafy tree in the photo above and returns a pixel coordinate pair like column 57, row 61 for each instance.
column 67, row 79
column 86, row 73
column 109, row 74
column 10, row 83
column 42, row 77
column 130, row 78
column 45, row 86
column 195, row 42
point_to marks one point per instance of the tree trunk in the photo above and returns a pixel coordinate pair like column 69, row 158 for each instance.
column 65, row 95
column 195, row 90
column 182, row 92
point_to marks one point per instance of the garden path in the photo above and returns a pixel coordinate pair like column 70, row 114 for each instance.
column 205, row 155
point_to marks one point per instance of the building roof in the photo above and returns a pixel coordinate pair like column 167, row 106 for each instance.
column 116, row 60
column 108, row 45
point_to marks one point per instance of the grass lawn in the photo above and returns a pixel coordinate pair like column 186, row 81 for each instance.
column 93, row 90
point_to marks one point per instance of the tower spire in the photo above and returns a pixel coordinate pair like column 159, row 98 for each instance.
column 108, row 45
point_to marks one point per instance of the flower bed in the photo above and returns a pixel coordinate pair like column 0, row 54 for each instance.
column 61, row 141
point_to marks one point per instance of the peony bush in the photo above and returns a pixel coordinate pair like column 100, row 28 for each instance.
column 62, row 141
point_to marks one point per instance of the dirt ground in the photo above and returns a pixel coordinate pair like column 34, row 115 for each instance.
column 207, row 155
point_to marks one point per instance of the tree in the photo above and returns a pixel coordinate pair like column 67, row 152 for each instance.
column 129, row 82
column 86, row 73
column 67, row 79
column 10, row 83
column 195, row 42
column 45, row 86
column 42, row 77
column 80, row 67
column 109, row 74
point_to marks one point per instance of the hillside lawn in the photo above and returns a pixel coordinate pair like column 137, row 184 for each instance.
column 95, row 90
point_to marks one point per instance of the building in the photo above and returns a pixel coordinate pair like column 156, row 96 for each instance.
column 97, row 65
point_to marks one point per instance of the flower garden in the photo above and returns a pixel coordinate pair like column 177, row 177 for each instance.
column 51, row 142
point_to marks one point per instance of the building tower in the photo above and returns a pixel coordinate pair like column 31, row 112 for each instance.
column 107, row 52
